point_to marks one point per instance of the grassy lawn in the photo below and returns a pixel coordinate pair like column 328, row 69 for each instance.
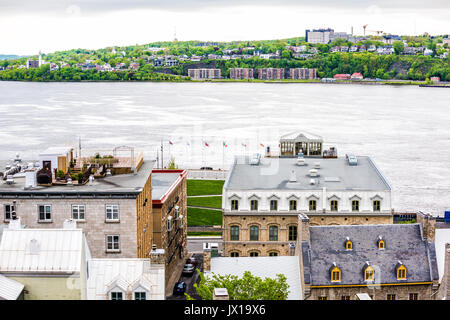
column 203, row 234
column 203, row 217
column 211, row 202
column 204, row 187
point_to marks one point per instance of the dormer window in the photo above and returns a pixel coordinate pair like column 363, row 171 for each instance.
column 401, row 271
column 335, row 273
column 334, row 205
column 348, row 244
column 273, row 205
column 140, row 295
column 116, row 295
column 254, row 205
column 234, row 205
column 369, row 272
column 381, row 243
column 355, row 205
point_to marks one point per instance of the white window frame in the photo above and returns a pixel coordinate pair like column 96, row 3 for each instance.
column 45, row 212
column 169, row 223
column 112, row 242
column 237, row 205
column 116, row 291
column 12, row 209
column 111, row 207
column 140, row 290
column 276, row 204
column 78, row 206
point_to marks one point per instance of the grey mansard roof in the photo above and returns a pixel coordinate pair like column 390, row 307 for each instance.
column 274, row 173
column 403, row 242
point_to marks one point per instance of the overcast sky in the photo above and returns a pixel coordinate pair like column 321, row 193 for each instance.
column 26, row 26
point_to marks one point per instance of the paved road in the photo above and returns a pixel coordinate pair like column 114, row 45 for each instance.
column 195, row 244
column 190, row 280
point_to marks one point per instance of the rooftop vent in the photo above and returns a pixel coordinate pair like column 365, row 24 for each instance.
column 352, row 160
column 313, row 173
column 301, row 162
column 9, row 179
column 69, row 224
column 30, row 178
column 34, row 247
column 91, row 179
column 69, row 181
column 256, row 158
column 292, row 177
column 15, row 224
column 108, row 172
column 312, row 181
column 316, row 165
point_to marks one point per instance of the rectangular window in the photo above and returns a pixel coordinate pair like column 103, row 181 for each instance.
column 273, row 254
column 273, row 205
column 292, row 233
column 234, row 204
column 293, row 205
column 334, row 205
column 273, row 233
column 254, row 233
column 78, row 211
column 323, row 298
column 413, row 296
column 391, row 297
column 234, row 254
column 112, row 243
column 140, row 296
column 116, row 296
column 9, row 210
column 355, row 205
column 234, row 233
column 254, row 205
column 345, row 298
column 376, row 205
column 45, row 213
column 312, row 205
column 112, row 212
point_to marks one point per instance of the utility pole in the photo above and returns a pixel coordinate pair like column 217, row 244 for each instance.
column 162, row 155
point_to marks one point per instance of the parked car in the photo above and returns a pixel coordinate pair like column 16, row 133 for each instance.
column 188, row 269
column 193, row 261
column 206, row 168
column 179, row 288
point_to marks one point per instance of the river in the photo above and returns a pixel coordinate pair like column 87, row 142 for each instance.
column 405, row 129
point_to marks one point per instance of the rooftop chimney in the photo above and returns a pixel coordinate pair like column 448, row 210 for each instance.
column 206, row 257
column 70, row 224
column 157, row 256
column 292, row 176
column 15, row 224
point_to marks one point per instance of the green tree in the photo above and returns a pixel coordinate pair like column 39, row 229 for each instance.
column 248, row 287
column 398, row 47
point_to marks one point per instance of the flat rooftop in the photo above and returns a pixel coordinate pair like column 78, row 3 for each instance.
column 163, row 181
column 121, row 183
column 334, row 174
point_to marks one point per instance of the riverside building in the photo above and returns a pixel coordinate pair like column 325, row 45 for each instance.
column 198, row 74
column 263, row 196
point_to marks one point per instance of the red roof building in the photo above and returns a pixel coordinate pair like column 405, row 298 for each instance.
column 357, row 76
column 341, row 76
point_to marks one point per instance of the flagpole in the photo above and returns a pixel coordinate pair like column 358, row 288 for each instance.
column 223, row 155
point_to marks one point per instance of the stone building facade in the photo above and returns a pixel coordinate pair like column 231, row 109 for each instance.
column 113, row 212
column 261, row 201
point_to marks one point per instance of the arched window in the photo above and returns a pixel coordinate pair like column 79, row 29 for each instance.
column 369, row 274
column 254, row 205
column 254, row 233
column 234, row 254
column 234, row 204
column 401, row 272
column 292, row 233
column 355, row 205
column 334, row 205
column 273, row 233
column 234, row 233
column 312, row 205
column 254, row 254
column 293, row 205
column 273, row 254
column 335, row 274
column 273, row 205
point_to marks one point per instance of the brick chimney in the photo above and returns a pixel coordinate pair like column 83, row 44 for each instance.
column 428, row 225
column 220, row 294
column 206, row 257
column 303, row 228
column 157, row 256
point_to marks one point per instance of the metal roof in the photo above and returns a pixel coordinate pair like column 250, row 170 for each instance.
column 302, row 136
column 104, row 274
column 58, row 251
column 60, row 151
column 274, row 173
column 442, row 236
column 164, row 181
column 121, row 183
column 403, row 242
column 10, row 289
column 264, row 267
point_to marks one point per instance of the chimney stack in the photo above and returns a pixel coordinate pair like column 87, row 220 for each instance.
column 206, row 257
column 303, row 227
column 157, row 256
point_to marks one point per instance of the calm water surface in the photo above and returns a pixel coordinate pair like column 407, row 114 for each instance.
column 406, row 130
